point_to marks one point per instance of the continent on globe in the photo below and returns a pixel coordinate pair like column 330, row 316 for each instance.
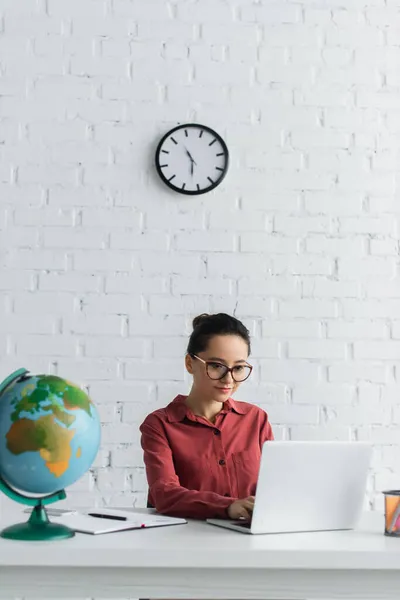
column 44, row 436
column 63, row 394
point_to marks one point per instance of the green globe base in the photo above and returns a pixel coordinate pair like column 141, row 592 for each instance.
column 29, row 533
column 37, row 529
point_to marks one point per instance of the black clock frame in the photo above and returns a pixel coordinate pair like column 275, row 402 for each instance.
column 192, row 192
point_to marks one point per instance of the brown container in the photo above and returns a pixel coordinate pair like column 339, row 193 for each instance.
column 392, row 513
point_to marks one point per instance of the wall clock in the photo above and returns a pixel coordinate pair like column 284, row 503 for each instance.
column 192, row 159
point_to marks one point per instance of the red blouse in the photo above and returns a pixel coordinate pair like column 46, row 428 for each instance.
column 196, row 468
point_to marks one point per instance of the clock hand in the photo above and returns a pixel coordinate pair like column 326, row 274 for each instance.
column 190, row 156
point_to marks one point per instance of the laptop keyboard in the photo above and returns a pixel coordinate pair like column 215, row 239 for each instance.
column 245, row 524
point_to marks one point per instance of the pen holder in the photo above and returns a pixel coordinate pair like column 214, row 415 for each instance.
column 392, row 513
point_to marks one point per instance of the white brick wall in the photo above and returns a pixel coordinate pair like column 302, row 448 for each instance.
column 103, row 268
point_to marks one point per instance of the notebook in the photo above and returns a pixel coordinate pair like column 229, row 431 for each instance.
column 112, row 521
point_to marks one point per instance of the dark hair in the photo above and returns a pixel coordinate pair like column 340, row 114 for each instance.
column 207, row 326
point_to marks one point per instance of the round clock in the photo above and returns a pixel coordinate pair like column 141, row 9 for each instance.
column 192, row 159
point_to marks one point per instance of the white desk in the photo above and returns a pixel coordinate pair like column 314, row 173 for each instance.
column 200, row 561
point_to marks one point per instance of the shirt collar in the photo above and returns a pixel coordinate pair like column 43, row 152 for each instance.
column 177, row 409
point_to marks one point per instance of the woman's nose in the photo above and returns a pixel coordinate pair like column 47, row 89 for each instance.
column 227, row 377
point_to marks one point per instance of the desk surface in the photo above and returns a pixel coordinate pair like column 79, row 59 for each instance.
column 199, row 545
column 198, row 560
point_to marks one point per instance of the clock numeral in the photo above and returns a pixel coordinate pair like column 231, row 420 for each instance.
column 186, row 133
column 219, row 168
column 162, row 166
column 165, row 151
column 183, row 186
column 210, row 180
column 213, row 142
column 174, row 140
column 220, row 154
column 201, row 133
column 171, row 178
column 198, row 187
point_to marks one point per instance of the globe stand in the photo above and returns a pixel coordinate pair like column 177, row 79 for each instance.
column 38, row 528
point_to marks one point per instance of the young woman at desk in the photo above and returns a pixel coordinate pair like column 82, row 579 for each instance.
column 202, row 451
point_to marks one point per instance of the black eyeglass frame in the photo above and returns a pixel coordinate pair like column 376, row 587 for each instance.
column 227, row 369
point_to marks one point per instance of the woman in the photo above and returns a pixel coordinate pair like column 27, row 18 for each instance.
column 202, row 451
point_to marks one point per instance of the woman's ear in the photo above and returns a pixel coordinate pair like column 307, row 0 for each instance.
column 189, row 364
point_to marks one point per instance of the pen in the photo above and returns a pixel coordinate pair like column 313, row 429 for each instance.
column 102, row 516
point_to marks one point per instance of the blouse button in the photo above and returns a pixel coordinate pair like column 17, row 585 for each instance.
column 222, row 462
column 217, row 432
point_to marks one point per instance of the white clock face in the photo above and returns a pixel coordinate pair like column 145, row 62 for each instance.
column 192, row 159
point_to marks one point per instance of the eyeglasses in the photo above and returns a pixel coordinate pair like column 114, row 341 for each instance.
column 216, row 370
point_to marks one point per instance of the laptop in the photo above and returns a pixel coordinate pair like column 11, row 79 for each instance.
column 307, row 486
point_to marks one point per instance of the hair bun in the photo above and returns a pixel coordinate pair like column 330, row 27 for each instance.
column 200, row 319
column 207, row 326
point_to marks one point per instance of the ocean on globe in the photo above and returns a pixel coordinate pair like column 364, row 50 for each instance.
column 49, row 434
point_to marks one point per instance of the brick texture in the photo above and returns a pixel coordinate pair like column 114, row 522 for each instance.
column 103, row 268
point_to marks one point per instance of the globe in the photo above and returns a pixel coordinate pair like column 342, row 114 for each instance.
column 49, row 436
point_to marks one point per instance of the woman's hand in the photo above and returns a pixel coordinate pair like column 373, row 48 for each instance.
column 241, row 509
